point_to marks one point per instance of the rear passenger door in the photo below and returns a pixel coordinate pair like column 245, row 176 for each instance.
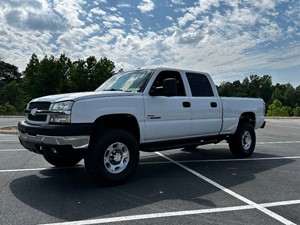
column 206, row 107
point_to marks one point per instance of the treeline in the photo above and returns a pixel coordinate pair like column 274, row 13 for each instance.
column 280, row 99
column 48, row 76
column 52, row 75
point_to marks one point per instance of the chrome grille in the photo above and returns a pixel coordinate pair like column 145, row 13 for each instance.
column 40, row 106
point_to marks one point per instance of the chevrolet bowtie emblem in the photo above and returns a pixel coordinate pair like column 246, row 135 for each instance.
column 33, row 111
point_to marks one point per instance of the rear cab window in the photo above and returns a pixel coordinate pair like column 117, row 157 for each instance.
column 200, row 85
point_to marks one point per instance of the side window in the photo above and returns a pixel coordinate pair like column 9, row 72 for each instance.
column 158, row 83
column 200, row 85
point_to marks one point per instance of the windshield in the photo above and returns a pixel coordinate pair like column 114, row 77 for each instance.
column 132, row 81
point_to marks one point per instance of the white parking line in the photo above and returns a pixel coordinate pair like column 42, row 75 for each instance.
column 172, row 214
column 39, row 169
column 224, row 160
column 14, row 150
column 241, row 198
column 250, row 204
column 3, row 141
column 278, row 142
column 221, row 143
column 161, row 162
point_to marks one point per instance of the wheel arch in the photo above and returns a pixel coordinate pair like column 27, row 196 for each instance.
column 124, row 121
column 248, row 117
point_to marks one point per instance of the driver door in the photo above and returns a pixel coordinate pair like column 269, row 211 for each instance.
column 166, row 117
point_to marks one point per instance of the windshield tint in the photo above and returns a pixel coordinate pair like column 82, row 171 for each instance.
column 132, row 81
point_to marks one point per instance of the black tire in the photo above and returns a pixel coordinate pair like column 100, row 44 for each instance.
column 242, row 143
column 64, row 161
column 112, row 157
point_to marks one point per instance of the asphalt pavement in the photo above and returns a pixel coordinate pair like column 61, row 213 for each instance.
column 6, row 121
column 205, row 186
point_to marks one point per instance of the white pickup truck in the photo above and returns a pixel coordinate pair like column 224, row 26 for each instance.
column 140, row 110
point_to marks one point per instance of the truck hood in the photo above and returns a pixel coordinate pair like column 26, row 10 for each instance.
column 81, row 95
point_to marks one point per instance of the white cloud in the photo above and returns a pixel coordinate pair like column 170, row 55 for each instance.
column 186, row 18
column 113, row 18
column 146, row 6
column 33, row 15
column 206, row 4
column 123, row 5
column 70, row 10
column 98, row 11
column 178, row 2
column 169, row 18
column 222, row 37
column 114, row 9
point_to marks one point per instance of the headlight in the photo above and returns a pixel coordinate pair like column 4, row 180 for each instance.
column 63, row 106
column 61, row 112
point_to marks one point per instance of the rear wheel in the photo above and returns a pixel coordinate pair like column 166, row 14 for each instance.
column 242, row 143
column 64, row 161
column 113, row 157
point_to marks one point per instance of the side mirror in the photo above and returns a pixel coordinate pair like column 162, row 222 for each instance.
column 170, row 87
column 156, row 91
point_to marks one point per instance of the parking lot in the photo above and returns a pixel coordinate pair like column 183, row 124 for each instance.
column 205, row 186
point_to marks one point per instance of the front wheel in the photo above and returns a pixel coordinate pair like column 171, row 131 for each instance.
column 113, row 157
column 242, row 143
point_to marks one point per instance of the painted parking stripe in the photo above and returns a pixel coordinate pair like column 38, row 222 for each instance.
column 278, row 142
column 264, row 142
column 39, row 169
column 172, row 214
column 224, row 160
column 5, row 141
column 161, row 162
column 221, row 143
column 14, row 150
column 283, row 203
column 241, row 198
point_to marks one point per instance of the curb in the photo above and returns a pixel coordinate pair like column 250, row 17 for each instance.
column 8, row 131
column 12, row 116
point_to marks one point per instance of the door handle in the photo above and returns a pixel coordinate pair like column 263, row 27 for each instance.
column 213, row 104
column 186, row 104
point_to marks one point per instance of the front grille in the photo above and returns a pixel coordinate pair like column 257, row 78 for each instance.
column 40, row 106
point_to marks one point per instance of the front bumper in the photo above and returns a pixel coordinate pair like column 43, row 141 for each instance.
column 54, row 139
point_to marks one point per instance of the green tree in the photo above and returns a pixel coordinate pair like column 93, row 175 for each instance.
column 7, row 109
column 276, row 94
column 266, row 89
column 103, row 70
column 226, row 89
column 297, row 111
column 13, row 94
column 297, row 95
column 79, row 76
column 31, row 77
column 290, row 96
column 89, row 74
column 64, row 66
column 8, row 73
column 11, row 89
column 277, row 109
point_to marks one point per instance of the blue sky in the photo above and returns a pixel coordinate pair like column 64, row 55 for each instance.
column 229, row 39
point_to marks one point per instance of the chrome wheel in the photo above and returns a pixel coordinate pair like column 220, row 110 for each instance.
column 116, row 158
column 246, row 140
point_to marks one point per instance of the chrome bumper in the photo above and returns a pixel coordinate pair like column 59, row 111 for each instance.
column 77, row 142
